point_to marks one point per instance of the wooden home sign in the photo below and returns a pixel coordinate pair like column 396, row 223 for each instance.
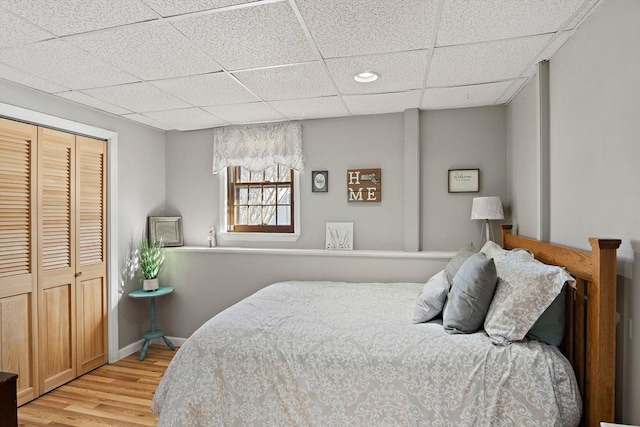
column 364, row 185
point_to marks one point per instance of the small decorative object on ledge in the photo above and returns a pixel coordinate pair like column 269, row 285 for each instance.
column 364, row 185
column 339, row 236
column 320, row 181
column 464, row 180
column 166, row 228
column 212, row 237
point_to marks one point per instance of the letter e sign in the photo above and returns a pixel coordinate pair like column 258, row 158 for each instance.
column 364, row 185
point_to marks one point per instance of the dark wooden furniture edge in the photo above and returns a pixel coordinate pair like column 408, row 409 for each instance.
column 590, row 339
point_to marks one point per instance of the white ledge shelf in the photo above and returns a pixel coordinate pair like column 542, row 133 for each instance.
column 435, row 255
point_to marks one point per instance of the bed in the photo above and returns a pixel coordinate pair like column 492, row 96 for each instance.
column 330, row 354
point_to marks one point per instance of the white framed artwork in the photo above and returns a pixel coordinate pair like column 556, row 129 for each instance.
column 339, row 236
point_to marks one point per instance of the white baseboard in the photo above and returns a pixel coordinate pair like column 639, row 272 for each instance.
column 137, row 346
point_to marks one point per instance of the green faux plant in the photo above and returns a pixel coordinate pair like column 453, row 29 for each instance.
column 151, row 258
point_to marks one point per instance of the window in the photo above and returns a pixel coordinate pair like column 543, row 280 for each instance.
column 260, row 202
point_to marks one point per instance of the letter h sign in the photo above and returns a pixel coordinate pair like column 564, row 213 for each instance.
column 364, row 185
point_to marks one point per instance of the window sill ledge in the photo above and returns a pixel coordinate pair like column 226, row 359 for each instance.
column 435, row 255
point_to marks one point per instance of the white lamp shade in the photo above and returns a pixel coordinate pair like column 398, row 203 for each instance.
column 487, row 208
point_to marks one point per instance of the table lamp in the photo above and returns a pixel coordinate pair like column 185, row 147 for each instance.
column 486, row 208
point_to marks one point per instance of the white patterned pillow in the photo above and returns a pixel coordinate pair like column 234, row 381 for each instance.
column 430, row 302
column 526, row 287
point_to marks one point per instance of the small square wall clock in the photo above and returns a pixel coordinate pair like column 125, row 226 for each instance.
column 320, row 181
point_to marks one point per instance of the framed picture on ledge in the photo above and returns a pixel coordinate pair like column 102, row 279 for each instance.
column 166, row 228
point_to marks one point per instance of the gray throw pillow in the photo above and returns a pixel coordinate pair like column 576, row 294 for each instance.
column 458, row 259
column 470, row 296
column 549, row 327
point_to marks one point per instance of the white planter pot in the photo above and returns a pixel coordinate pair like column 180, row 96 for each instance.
column 150, row 284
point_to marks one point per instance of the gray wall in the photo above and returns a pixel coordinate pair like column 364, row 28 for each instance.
column 329, row 144
column 467, row 138
column 594, row 162
column 141, row 176
column 522, row 152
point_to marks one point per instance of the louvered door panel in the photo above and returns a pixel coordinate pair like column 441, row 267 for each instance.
column 56, row 259
column 91, row 284
column 18, row 274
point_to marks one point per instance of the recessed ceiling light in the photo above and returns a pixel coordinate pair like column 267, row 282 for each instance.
column 366, row 77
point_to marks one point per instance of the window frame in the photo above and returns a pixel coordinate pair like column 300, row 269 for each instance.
column 255, row 234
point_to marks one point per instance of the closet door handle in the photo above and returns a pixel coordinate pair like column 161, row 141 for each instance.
column 78, row 274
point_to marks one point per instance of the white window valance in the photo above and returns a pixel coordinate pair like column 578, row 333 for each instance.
column 258, row 147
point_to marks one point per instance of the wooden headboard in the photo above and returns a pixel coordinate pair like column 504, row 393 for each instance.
column 590, row 337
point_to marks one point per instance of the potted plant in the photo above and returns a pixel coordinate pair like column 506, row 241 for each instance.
column 151, row 258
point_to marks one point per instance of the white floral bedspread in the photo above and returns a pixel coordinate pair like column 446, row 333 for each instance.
column 347, row 354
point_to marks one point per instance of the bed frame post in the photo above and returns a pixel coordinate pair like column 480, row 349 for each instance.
column 601, row 332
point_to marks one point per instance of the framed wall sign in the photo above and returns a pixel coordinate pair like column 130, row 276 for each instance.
column 364, row 185
column 167, row 228
column 320, row 181
column 464, row 180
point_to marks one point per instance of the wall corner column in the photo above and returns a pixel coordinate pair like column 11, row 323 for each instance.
column 412, row 180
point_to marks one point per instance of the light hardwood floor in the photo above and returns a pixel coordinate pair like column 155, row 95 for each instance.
column 111, row 395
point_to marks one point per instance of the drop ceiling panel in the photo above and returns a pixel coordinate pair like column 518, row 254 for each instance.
column 463, row 96
column 147, row 121
column 383, row 103
column 207, row 89
column 292, row 82
column 484, row 62
column 187, row 119
column 464, row 21
column 153, row 50
column 252, row 112
column 81, row 98
column 256, row 36
column 64, row 17
column 61, row 63
column 16, row 31
column 399, row 72
column 137, row 97
column 311, row 108
column 357, row 27
column 173, row 7
column 25, row 79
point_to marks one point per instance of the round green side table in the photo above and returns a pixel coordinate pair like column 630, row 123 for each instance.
column 153, row 333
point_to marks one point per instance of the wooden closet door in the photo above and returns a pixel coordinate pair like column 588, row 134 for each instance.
column 91, row 283
column 18, row 272
column 56, row 258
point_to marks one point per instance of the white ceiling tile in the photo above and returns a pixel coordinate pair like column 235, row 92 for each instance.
column 463, row 96
column 588, row 7
column 464, row 21
column 137, row 97
column 187, row 119
column 173, row 7
column 64, row 17
column 383, row 103
column 59, row 62
column 153, row 50
column 16, row 31
column 207, row 89
column 81, row 98
column 147, row 121
column 358, row 27
column 25, row 79
column 399, row 71
column 252, row 112
column 311, row 108
column 483, row 62
column 296, row 81
column 258, row 36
